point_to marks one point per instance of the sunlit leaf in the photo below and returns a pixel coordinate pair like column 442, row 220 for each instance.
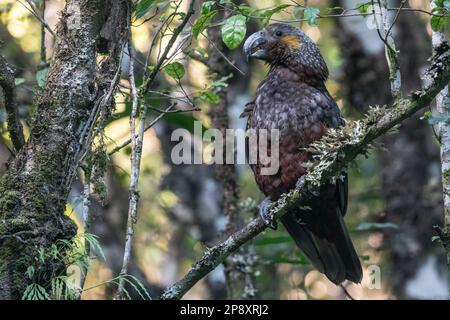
column 437, row 23
column 233, row 30
column 207, row 7
column 222, row 82
column 363, row 8
column 202, row 22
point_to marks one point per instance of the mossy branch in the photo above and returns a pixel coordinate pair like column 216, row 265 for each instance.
column 331, row 156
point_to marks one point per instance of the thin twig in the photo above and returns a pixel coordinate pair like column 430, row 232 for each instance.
column 175, row 111
column 198, row 58
column 222, row 54
column 43, row 49
column 149, row 81
column 136, row 152
column 35, row 13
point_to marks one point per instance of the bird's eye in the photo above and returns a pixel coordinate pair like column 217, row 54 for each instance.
column 278, row 33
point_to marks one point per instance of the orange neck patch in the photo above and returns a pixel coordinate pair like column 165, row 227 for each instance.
column 291, row 41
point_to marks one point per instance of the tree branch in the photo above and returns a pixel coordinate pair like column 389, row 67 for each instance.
column 332, row 154
column 7, row 82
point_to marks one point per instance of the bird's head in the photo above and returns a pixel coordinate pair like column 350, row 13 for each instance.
column 281, row 44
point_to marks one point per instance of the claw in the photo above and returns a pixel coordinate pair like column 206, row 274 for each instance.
column 300, row 183
column 265, row 214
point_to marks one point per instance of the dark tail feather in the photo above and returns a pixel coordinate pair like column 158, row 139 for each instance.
column 335, row 257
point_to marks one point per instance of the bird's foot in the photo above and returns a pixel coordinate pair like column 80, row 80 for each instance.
column 300, row 184
column 266, row 215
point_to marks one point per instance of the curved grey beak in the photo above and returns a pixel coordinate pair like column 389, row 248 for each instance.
column 254, row 46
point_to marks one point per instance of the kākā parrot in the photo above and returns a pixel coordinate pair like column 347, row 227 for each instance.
column 293, row 99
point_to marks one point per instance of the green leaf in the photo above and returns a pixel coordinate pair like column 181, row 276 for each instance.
column 437, row 23
column 426, row 115
column 245, row 9
column 373, row 226
column 202, row 22
column 311, row 14
column 41, row 77
column 207, row 7
column 143, row 7
column 266, row 15
column 209, row 97
column 174, row 69
column 363, row 8
column 222, row 82
column 233, row 30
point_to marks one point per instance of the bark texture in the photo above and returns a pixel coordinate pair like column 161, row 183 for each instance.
column 34, row 189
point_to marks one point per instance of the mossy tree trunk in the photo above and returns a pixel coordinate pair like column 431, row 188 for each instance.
column 34, row 189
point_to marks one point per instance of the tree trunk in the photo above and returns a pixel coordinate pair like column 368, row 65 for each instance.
column 34, row 189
